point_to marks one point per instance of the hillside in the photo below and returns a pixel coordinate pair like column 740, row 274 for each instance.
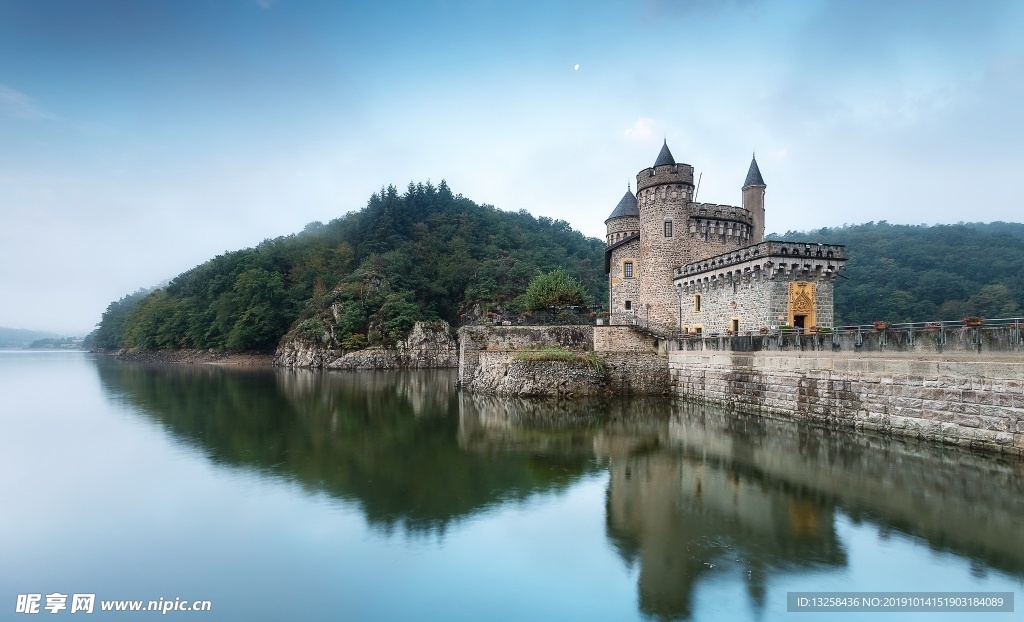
column 906, row 273
column 21, row 337
column 425, row 254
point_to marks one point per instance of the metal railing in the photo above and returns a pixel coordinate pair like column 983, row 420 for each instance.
column 568, row 316
column 663, row 331
column 644, row 325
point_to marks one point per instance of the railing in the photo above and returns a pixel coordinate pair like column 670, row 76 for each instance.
column 568, row 316
column 909, row 328
column 663, row 331
column 644, row 325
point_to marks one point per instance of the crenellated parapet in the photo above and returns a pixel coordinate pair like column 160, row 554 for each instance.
column 767, row 259
column 664, row 175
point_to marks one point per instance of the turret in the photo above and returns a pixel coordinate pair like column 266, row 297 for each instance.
column 624, row 220
column 663, row 194
column 753, row 199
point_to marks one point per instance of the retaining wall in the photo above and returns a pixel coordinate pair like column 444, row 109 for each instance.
column 975, row 403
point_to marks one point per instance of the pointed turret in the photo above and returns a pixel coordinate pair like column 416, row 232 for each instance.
column 665, row 157
column 627, row 207
column 753, row 199
column 753, row 175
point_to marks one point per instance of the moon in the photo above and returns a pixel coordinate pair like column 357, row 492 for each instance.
column 576, row 67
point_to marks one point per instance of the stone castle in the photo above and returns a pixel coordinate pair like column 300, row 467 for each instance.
column 677, row 266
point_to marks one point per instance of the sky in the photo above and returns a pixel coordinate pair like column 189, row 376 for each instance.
column 140, row 138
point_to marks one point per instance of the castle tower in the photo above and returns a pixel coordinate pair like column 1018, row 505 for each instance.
column 753, row 199
column 621, row 258
column 663, row 193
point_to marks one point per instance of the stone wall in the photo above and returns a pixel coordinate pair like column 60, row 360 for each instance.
column 756, row 300
column 622, row 339
column 951, row 399
column 621, row 288
column 627, row 363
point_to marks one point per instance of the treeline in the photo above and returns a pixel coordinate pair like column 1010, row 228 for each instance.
column 362, row 279
column 906, row 273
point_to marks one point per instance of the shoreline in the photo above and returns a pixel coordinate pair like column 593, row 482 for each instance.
column 195, row 357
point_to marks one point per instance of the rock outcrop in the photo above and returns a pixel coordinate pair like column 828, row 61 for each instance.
column 429, row 346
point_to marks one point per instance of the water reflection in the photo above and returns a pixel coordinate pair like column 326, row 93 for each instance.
column 388, row 441
column 694, row 493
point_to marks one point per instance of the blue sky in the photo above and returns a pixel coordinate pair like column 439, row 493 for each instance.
column 141, row 138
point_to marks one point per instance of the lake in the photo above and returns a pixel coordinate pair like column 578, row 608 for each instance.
column 302, row 495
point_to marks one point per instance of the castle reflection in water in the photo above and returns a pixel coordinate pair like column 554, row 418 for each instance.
column 692, row 491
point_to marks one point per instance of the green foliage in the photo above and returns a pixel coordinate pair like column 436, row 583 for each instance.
column 109, row 333
column 587, row 359
column 365, row 278
column 909, row 273
column 554, row 289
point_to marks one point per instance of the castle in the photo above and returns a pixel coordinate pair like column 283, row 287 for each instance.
column 676, row 266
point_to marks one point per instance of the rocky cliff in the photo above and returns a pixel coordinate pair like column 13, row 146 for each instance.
column 429, row 346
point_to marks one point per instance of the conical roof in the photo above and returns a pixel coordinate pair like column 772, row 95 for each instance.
column 665, row 157
column 626, row 207
column 753, row 175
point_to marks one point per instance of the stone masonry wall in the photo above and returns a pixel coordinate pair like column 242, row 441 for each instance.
column 622, row 289
column 629, row 362
column 757, row 301
column 973, row 403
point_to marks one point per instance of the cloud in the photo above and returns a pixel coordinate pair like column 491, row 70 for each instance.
column 17, row 105
column 642, row 130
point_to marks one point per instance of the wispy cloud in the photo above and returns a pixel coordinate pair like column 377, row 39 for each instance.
column 17, row 105
column 642, row 130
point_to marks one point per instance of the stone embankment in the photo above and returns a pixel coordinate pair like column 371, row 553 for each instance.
column 962, row 386
column 510, row 360
column 429, row 346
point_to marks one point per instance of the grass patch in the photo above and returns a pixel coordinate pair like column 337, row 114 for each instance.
column 589, row 359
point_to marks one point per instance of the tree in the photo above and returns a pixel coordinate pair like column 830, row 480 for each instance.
column 554, row 289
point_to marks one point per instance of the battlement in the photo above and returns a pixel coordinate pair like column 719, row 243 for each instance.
column 770, row 257
column 712, row 211
column 665, row 174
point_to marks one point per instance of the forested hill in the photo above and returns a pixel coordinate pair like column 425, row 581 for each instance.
column 905, row 273
column 424, row 254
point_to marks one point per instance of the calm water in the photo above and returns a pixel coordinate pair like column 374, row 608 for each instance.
column 282, row 495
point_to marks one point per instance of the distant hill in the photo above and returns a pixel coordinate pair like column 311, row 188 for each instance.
column 907, row 273
column 361, row 279
column 21, row 338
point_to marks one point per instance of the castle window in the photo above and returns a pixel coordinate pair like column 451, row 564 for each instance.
column 696, row 303
column 668, row 228
column 627, row 270
column 629, row 305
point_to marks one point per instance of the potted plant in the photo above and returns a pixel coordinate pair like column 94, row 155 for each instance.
column 728, row 332
column 812, row 330
column 881, row 325
column 973, row 320
column 764, row 330
column 932, row 325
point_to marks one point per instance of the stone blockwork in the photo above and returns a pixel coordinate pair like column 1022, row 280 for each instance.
column 973, row 403
column 622, row 339
column 751, row 287
column 623, row 288
column 614, row 360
